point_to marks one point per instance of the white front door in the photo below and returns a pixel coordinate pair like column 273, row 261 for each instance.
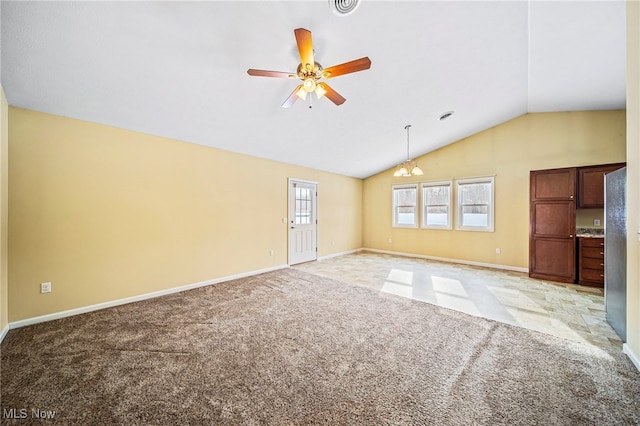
column 303, row 221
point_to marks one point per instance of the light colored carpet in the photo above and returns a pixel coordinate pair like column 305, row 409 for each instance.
column 288, row 347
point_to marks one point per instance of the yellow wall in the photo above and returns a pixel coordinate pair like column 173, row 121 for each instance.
column 104, row 213
column 633, row 177
column 508, row 151
column 585, row 217
column 4, row 211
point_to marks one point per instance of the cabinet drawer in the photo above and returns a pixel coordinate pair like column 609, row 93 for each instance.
column 592, row 242
column 594, row 252
column 592, row 263
column 592, row 275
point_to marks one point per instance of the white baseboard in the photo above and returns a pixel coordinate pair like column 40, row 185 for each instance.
column 344, row 253
column 444, row 259
column 96, row 307
column 627, row 350
column 4, row 332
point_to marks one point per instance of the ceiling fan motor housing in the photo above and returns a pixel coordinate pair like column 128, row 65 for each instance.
column 305, row 72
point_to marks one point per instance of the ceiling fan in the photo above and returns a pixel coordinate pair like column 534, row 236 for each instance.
column 310, row 72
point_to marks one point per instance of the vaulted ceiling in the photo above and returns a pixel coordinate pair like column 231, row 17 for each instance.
column 179, row 70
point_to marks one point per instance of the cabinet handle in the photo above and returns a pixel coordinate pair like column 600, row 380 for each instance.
column 571, row 196
column 602, row 264
column 602, row 275
column 601, row 253
column 601, row 244
column 571, row 236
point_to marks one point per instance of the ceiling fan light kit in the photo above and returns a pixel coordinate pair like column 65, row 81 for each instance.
column 310, row 72
column 409, row 167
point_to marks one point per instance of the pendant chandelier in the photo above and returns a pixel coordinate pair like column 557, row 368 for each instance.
column 409, row 167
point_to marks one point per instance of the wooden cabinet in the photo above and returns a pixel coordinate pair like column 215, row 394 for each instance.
column 591, row 185
column 553, row 184
column 552, row 225
column 554, row 196
column 591, row 261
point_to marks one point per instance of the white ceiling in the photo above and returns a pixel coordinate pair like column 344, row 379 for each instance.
column 178, row 69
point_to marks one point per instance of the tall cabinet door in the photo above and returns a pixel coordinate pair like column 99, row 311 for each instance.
column 552, row 225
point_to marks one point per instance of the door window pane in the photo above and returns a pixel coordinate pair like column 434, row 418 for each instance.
column 303, row 206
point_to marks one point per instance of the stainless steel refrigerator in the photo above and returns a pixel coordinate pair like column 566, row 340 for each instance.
column 615, row 250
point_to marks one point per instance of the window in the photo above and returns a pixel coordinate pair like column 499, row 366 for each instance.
column 436, row 205
column 475, row 204
column 405, row 206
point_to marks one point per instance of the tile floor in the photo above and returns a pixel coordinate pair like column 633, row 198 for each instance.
column 565, row 310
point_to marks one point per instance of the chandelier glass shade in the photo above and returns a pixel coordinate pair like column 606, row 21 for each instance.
column 409, row 167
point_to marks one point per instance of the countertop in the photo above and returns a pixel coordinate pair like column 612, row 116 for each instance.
column 590, row 232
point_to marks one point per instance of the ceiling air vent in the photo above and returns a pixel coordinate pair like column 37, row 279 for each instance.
column 343, row 7
column 445, row 115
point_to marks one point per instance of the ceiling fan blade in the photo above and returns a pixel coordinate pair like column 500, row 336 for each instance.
column 332, row 95
column 305, row 46
column 265, row 73
column 348, row 67
column 292, row 97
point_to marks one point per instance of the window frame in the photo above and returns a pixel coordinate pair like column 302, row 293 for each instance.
column 423, row 204
column 394, row 216
column 491, row 206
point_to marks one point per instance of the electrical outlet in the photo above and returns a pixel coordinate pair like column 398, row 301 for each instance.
column 596, row 222
column 497, row 250
column 390, row 240
column 271, row 252
column 45, row 288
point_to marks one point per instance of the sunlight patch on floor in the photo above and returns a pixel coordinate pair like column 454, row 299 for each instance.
column 401, row 277
column 450, row 293
column 515, row 299
column 399, row 282
column 457, row 303
column 448, row 286
column 397, row 289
